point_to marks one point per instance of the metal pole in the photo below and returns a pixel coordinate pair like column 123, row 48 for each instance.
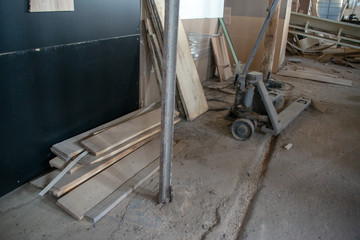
column 231, row 46
column 168, row 98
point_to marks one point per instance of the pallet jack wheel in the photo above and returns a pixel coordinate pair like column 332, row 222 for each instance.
column 242, row 129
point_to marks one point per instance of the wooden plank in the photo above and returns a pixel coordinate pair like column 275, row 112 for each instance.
column 156, row 64
column 51, row 5
column 71, row 147
column 215, row 43
column 105, row 206
column 89, row 194
column 60, row 164
column 70, row 181
column 90, row 159
column 315, row 77
column 188, row 81
column 121, row 133
column 225, row 56
column 314, row 71
column 62, row 173
column 270, row 41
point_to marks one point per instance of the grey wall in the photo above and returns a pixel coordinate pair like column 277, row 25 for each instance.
column 84, row 73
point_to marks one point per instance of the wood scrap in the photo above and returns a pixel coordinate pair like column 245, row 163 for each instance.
column 306, row 43
column 106, row 205
column 318, row 105
column 315, row 77
column 88, row 195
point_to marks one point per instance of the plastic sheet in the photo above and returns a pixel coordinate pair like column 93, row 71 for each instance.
column 200, row 46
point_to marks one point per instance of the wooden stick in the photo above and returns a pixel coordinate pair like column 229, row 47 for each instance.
column 63, row 172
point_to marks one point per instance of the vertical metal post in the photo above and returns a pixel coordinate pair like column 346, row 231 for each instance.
column 168, row 98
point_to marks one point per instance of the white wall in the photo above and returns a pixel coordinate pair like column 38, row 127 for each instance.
column 191, row 9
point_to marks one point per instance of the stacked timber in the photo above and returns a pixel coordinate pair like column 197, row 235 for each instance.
column 190, row 95
column 99, row 168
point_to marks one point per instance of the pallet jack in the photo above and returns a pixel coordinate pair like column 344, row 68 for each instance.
column 256, row 106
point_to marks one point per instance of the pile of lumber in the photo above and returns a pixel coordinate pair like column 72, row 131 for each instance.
column 190, row 97
column 99, row 168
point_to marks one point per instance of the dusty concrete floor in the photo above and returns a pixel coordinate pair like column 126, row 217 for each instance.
column 312, row 191
column 225, row 189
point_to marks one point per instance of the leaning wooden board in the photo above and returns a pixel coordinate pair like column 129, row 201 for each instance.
column 105, row 206
column 70, row 181
column 89, row 194
column 221, row 58
column 315, row 77
column 71, row 147
column 188, row 81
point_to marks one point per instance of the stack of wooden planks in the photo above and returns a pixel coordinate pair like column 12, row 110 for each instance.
column 221, row 58
column 112, row 160
column 189, row 89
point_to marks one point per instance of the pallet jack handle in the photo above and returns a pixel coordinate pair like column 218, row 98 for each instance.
column 241, row 76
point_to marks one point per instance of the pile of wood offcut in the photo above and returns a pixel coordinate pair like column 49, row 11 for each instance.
column 99, row 168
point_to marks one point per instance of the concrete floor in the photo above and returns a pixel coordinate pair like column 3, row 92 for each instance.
column 225, row 189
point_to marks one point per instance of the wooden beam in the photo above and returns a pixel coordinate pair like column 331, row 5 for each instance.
column 270, row 42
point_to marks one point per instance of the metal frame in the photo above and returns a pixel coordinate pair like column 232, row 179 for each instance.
column 341, row 33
